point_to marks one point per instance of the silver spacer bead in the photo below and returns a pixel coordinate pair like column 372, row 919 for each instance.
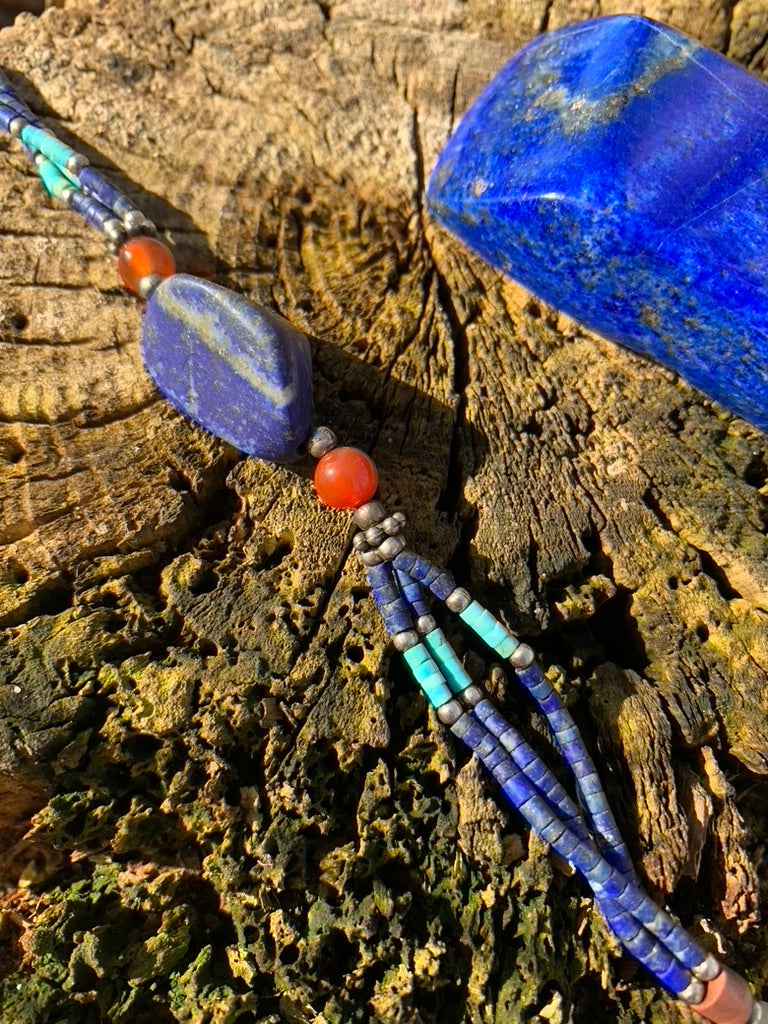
column 406, row 640
column 359, row 543
column 708, row 969
column 133, row 221
column 392, row 524
column 472, row 695
column 148, row 284
column 17, row 125
column 374, row 535
column 371, row 557
column 113, row 229
column 320, row 441
column 426, row 623
column 522, row 656
column 77, row 162
column 369, row 514
column 693, row 993
column 66, row 193
column 759, row 1013
column 458, row 599
column 147, row 227
column 450, row 712
column 390, row 547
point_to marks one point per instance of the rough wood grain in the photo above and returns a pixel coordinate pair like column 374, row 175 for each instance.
column 221, row 800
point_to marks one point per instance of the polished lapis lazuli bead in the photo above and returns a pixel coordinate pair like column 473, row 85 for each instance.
column 239, row 370
column 618, row 170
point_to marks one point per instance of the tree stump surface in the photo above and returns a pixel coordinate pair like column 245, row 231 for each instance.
column 220, row 798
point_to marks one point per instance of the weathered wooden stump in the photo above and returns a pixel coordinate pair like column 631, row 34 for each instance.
column 220, row 798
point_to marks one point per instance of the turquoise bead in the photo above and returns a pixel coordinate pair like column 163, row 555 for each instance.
column 456, row 675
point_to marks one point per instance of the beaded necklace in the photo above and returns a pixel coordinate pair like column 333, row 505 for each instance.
column 257, row 396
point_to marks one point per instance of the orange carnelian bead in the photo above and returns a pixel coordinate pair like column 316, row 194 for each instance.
column 141, row 256
column 345, row 478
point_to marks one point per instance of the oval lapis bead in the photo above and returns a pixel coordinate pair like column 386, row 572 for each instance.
column 235, row 368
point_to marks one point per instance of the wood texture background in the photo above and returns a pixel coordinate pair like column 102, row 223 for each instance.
column 220, row 799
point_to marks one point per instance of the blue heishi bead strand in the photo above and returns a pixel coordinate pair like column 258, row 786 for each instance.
column 9, row 102
column 387, row 597
column 6, row 116
column 524, row 756
column 10, row 99
column 438, row 581
column 554, row 826
column 92, row 181
column 87, row 190
column 675, row 954
column 91, row 210
column 413, row 593
column 566, row 734
column 617, row 168
column 564, row 731
column 532, row 789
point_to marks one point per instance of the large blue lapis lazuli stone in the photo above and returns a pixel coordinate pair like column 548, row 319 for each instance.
column 619, row 171
column 235, row 368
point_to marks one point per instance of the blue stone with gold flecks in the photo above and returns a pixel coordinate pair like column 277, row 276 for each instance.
column 239, row 370
column 619, row 170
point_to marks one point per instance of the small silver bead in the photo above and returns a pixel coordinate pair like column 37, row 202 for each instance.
column 320, row 441
column 522, row 656
column 450, row 712
column 66, row 193
column 17, row 125
column 133, row 221
column 390, row 547
column 77, row 162
column 693, row 993
column 406, row 640
column 114, row 230
column 708, row 969
column 426, row 623
column 759, row 1012
column 458, row 599
column 472, row 695
column 147, row 227
column 359, row 543
column 371, row 557
column 148, row 284
column 369, row 514
column 391, row 525
column 374, row 535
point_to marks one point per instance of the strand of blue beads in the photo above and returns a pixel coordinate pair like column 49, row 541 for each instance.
column 440, row 674
column 412, row 570
column 670, row 955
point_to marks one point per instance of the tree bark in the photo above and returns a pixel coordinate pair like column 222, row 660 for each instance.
column 221, row 799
